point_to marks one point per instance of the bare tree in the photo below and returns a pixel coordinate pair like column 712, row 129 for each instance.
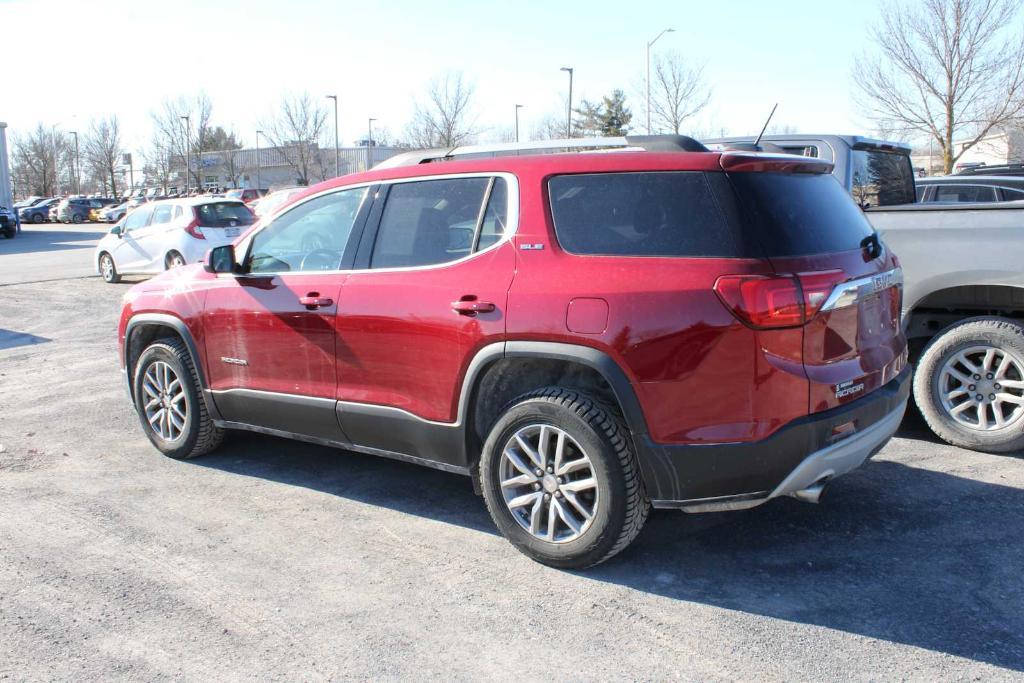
column 185, row 139
column 39, row 158
column 946, row 69
column 296, row 131
column 678, row 92
column 445, row 118
column 102, row 151
column 156, row 163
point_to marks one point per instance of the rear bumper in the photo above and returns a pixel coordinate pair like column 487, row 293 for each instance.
column 735, row 476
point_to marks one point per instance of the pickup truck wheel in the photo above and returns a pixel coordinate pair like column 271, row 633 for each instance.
column 169, row 402
column 969, row 385
column 561, row 480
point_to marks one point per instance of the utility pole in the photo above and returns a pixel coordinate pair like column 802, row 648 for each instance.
column 649, row 45
column 518, row 107
column 369, row 141
column 78, row 177
column 337, row 164
column 568, row 119
column 188, row 129
column 259, row 162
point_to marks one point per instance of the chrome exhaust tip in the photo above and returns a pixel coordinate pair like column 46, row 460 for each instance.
column 811, row 494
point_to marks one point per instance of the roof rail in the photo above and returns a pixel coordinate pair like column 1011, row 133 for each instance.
column 649, row 143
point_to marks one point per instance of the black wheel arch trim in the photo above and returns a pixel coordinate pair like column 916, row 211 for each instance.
column 179, row 326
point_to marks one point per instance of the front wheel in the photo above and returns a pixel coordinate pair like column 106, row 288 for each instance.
column 76, row 218
column 969, row 385
column 108, row 270
column 561, row 480
column 168, row 399
column 38, row 218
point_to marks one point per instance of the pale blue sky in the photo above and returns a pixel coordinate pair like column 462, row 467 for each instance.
column 70, row 61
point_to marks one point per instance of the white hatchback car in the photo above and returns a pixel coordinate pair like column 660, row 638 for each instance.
column 165, row 234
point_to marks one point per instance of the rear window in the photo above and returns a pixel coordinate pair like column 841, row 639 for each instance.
column 799, row 214
column 882, row 179
column 645, row 214
column 224, row 215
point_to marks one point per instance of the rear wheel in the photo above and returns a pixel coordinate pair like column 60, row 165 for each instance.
column 168, row 399
column 38, row 218
column 174, row 260
column 969, row 385
column 561, row 481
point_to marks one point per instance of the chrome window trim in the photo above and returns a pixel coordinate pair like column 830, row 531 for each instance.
column 849, row 293
column 511, row 223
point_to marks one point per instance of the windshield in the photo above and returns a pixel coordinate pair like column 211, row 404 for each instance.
column 881, row 178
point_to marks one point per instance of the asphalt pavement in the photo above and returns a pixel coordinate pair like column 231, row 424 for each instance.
column 271, row 559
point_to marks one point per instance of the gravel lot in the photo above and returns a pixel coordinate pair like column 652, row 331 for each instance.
column 274, row 559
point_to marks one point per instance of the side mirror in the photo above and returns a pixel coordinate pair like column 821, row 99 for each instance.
column 221, row 260
column 117, row 229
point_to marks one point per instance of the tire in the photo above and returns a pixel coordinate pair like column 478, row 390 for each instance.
column 108, row 270
column 935, row 380
column 9, row 233
column 76, row 218
column 38, row 218
column 197, row 435
column 617, row 504
column 174, row 260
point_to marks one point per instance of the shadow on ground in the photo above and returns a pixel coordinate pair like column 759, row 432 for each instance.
column 33, row 239
column 9, row 339
column 894, row 552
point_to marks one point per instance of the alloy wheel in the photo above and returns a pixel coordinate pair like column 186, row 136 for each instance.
column 107, row 268
column 548, row 483
column 166, row 408
column 982, row 388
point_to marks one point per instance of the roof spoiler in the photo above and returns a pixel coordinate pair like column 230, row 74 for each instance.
column 744, row 162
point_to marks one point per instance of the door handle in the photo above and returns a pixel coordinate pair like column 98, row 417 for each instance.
column 472, row 307
column 313, row 301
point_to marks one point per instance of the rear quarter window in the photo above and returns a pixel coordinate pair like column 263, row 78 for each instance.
column 672, row 213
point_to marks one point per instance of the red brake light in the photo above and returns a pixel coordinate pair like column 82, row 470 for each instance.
column 193, row 227
column 768, row 302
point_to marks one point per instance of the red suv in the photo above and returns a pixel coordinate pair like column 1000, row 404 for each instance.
column 584, row 335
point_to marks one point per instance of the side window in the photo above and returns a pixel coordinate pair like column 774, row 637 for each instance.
column 428, row 222
column 177, row 212
column 492, row 229
column 162, row 214
column 138, row 218
column 310, row 236
column 1011, row 195
column 965, row 193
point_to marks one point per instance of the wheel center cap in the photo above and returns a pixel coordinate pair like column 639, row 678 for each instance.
column 549, row 483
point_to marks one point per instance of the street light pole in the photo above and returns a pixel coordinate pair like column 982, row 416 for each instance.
column 649, row 45
column 568, row 118
column 337, row 163
column 369, row 141
column 188, row 130
column 518, row 107
column 259, row 162
column 78, row 162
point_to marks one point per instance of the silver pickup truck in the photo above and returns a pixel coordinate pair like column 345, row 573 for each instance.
column 963, row 301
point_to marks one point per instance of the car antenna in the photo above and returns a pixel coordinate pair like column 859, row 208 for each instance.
column 761, row 134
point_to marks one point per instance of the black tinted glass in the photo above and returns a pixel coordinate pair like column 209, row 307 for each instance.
column 224, row 215
column 428, row 222
column 643, row 214
column 882, row 179
column 496, row 216
column 799, row 214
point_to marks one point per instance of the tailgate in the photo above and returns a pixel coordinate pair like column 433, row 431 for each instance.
column 809, row 227
column 854, row 344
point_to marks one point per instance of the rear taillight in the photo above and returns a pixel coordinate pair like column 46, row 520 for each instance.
column 193, row 227
column 768, row 302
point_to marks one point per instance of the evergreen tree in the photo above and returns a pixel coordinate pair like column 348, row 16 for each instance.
column 614, row 116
